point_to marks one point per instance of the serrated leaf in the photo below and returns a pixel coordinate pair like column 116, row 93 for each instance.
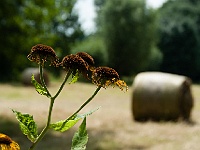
column 80, row 138
column 38, row 87
column 74, row 77
column 65, row 125
column 27, row 125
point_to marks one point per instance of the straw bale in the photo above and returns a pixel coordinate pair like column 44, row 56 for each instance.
column 161, row 96
column 27, row 74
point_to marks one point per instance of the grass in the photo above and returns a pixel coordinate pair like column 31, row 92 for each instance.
column 110, row 128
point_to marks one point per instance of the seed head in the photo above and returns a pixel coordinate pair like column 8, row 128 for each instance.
column 87, row 58
column 42, row 53
column 75, row 63
column 105, row 76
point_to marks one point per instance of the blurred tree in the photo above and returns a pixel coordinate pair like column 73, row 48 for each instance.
column 24, row 23
column 180, row 37
column 128, row 29
column 99, row 4
column 94, row 46
column 193, row 1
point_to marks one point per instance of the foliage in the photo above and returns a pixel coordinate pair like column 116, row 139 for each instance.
column 74, row 65
column 64, row 125
column 26, row 22
column 128, row 29
column 27, row 125
column 155, row 60
column 180, row 37
column 39, row 88
column 80, row 138
column 93, row 45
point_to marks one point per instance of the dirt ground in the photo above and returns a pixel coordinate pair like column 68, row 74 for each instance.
column 110, row 128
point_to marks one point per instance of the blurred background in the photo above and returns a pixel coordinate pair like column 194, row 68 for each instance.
column 130, row 36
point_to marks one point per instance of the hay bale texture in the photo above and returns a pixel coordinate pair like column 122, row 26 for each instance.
column 161, row 96
column 27, row 74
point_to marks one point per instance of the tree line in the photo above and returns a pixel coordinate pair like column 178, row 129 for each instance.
column 24, row 23
column 130, row 37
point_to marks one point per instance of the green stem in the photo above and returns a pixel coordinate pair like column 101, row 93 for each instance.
column 52, row 99
column 44, row 131
column 42, row 79
column 89, row 100
column 62, row 85
column 83, row 105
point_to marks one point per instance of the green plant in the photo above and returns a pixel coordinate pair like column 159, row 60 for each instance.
column 75, row 65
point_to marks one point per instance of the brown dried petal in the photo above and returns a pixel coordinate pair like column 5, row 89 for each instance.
column 86, row 57
column 105, row 76
column 105, row 72
column 74, row 62
column 42, row 53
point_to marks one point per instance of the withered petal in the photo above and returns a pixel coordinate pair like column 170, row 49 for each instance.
column 105, row 76
column 86, row 57
column 42, row 53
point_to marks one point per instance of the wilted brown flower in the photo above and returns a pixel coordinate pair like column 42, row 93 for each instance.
column 42, row 53
column 87, row 58
column 6, row 143
column 75, row 63
column 105, row 76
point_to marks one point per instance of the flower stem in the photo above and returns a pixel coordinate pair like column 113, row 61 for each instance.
column 44, row 131
column 42, row 79
column 89, row 100
column 62, row 85
column 52, row 99
column 83, row 105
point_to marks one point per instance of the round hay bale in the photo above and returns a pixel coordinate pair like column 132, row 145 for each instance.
column 161, row 96
column 27, row 74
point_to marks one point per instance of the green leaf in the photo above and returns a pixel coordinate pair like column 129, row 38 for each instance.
column 65, row 125
column 39, row 88
column 80, row 138
column 89, row 113
column 74, row 77
column 27, row 125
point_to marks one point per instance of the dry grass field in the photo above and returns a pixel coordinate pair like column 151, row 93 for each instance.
column 110, row 128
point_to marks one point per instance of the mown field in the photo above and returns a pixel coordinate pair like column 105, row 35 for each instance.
column 110, row 128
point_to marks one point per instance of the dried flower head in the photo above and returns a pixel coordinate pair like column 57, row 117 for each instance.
column 87, row 58
column 6, row 143
column 105, row 76
column 42, row 53
column 75, row 63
